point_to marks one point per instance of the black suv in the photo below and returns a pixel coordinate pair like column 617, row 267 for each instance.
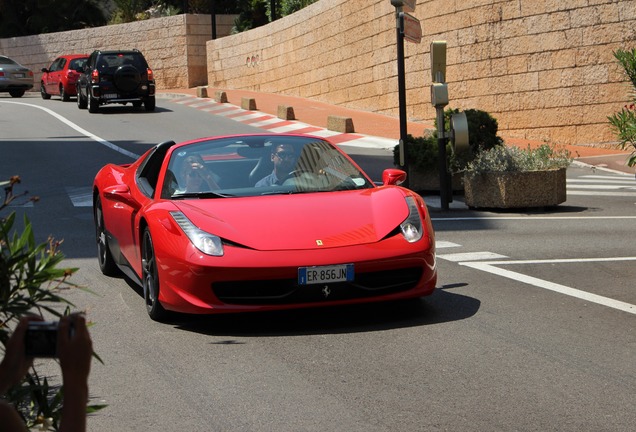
column 116, row 76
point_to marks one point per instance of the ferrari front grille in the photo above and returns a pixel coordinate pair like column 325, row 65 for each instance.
column 287, row 291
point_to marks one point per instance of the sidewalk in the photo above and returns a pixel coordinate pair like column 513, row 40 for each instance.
column 316, row 113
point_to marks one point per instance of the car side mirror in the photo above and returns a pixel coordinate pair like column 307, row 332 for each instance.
column 120, row 193
column 393, row 177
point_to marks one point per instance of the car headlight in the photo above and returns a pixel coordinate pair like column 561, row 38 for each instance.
column 207, row 243
column 412, row 226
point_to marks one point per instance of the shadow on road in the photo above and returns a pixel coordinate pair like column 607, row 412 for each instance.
column 442, row 306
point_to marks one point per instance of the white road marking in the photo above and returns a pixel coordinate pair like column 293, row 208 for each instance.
column 84, row 132
column 538, row 218
column 470, row 256
column 80, row 196
column 562, row 289
column 439, row 244
column 593, row 193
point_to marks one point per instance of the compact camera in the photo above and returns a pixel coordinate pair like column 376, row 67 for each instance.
column 40, row 339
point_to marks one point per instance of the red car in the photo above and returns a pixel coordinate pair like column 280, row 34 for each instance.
column 260, row 222
column 60, row 78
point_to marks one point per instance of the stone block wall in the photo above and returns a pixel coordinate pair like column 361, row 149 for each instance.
column 173, row 46
column 544, row 68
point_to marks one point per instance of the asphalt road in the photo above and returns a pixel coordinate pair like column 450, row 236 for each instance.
column 532, row 328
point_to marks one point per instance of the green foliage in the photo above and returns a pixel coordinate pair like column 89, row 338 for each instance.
column 514, row 159
column 482, row 129
column 31, row 282
column 288, row 7
column 422, row 152
column 29, row 17
column 624, row 122
column 254, row 13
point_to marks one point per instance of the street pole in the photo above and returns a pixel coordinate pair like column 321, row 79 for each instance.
column 444, row 183
column 213, row 18
column 399, row 26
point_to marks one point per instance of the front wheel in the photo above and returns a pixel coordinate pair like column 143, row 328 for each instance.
column 150, row 278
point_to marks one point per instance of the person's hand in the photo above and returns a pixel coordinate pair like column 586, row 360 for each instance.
column 74, row 349
column 15, row 363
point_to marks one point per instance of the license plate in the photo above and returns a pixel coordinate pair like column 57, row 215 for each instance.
column 325, row 274
column 110, row 95
column 18, row 75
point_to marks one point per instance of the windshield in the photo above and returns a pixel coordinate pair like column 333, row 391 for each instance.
column 259, row 165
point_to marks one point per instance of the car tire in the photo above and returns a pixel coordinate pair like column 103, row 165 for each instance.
column 43, row 92
column 16, row 93
column 150, row 279
column 63, row 95
column 150, row 103
column 81, row 102
column 93, row 103
column 137, row 104
column 105, row 259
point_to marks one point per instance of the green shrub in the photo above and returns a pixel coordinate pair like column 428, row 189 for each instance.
column 511, row 159
column 31, row 281
column 422, row 152
column 624, row 122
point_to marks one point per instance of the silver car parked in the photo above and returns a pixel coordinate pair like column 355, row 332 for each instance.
column 14, row 78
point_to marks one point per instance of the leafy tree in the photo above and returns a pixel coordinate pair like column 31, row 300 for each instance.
column 29, row 17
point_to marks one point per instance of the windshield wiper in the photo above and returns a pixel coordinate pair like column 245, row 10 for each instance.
column 200, row 195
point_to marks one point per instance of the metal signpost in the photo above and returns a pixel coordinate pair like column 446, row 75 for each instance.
column 407, row 27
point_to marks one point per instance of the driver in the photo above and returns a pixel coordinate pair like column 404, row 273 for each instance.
column 284, row 160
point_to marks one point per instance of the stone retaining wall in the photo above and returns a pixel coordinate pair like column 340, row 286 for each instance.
column 174, row 46
column 543, row 68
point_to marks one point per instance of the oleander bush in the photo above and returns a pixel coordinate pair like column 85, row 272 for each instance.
column 31, row 282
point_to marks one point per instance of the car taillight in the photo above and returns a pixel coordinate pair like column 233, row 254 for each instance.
column 95, row 76
column 1, row 73
column 30, row 73
column 150, row 75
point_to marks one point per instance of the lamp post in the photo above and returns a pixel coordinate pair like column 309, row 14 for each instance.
column 414, row 35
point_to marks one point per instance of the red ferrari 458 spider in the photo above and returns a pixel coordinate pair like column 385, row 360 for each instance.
column 260, row 222
column 60, row 78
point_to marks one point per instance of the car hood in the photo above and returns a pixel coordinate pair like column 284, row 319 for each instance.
column 301, row 221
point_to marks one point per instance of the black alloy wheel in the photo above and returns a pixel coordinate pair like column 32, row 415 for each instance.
column 150, row 278
column 105, row 258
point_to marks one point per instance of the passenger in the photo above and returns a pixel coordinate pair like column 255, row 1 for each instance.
column 284, row 159
column 196, row 177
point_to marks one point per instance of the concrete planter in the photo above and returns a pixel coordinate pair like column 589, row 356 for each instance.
column 515, row 189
